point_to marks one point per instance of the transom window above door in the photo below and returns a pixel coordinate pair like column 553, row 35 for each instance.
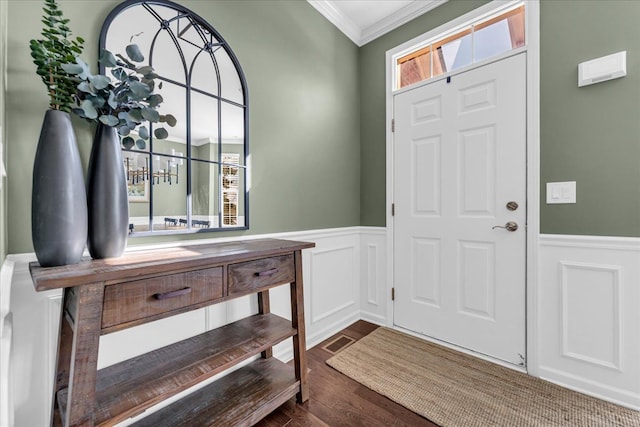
column 471, row 43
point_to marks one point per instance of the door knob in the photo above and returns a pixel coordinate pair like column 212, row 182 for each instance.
column 509, row 226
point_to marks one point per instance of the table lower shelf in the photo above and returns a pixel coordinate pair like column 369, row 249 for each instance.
column 128, row 388
column 241, row 398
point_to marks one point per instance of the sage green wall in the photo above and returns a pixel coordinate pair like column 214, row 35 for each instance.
column 302, row 74
column 590, row 135
column 317, row 116
column 3, row 153
column 373, row 105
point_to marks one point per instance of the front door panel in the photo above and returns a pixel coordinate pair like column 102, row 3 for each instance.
column 459, row 160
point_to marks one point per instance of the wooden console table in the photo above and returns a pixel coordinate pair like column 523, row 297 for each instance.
column 104, row 296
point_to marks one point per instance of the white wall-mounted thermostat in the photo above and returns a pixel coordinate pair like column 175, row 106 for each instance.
column 602, row 69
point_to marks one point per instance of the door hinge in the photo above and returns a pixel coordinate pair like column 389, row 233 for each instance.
column 393, row 294
column 393, row 209
column 393, row 125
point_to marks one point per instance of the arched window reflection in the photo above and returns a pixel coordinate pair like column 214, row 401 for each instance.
column 196, row 179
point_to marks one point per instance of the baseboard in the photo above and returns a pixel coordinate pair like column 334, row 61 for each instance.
column 376, row 319
column 285, row 352
column 591, row 388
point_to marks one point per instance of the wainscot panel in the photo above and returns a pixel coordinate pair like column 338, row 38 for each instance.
column 373, row 274
column 588, row 315
column 333, row 284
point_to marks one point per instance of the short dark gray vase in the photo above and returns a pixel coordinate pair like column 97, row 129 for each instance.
column 107, row 196
column 58, row 196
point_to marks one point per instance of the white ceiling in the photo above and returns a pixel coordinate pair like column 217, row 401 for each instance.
column 366, row 20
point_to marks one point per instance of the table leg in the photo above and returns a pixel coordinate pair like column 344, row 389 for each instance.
column 264, row 308
column 299, row 340
column 77, row 360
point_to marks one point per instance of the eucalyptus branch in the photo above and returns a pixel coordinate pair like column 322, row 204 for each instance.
column 126, row 102
column 49, row 53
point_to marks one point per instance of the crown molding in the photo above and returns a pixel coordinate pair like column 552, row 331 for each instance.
column 362, row 36
column 337, row 18
column 398, row 18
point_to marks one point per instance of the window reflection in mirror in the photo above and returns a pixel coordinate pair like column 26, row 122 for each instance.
column 195, row 179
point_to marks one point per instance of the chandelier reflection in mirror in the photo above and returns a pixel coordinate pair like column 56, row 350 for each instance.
column 166, row 170
column 196, row 179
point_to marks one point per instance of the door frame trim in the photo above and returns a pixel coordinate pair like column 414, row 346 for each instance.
column 533, row 162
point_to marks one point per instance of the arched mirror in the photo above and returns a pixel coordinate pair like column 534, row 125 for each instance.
column 196, row 179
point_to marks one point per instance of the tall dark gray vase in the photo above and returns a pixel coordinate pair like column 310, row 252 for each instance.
column 107, row 196
column 58, row 198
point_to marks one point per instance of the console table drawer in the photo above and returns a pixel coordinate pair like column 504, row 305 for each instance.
column 126, row 302
column 247, row 276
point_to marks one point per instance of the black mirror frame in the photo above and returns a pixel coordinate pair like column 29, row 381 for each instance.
column 202, row 22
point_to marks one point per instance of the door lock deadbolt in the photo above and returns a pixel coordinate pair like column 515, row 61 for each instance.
column 512, row 206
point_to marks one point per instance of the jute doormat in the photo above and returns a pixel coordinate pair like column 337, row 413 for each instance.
column 453, row 389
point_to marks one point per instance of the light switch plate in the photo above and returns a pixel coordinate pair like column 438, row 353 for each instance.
column 561, row 192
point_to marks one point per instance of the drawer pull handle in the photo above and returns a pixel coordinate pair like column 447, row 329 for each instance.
column 267, row 272
column 172, row 294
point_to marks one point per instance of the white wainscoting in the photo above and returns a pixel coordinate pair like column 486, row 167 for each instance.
column 373, row 275
column 589, row 315
column 343, row 274
column 6, row 340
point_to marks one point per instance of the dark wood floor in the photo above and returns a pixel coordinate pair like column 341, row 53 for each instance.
column 336, row 400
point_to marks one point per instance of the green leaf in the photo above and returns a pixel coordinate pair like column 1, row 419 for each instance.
column 143, row 132
column 170, row 120
column 147, row 69
column 140, row 144
column 161, row 133
column 124, row 115
column 126, row 62
column 72, row 68
column 86, row 72
column 150, row 114
column 123, row 130
column 88, row 109
column 150, row 83
column 119, row 74
column 140, row 90
column 113, row 103
column 134, row 53
column 135, row 114
column 85, row 87
column 107, row 59
column 100, row 81
column 98, row 100
column 128, row 142
column 155, row 100
column 109, row 120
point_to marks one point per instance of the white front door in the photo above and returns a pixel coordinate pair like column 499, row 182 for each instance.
column 460, row 171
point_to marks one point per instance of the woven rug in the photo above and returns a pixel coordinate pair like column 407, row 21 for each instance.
column 454, row 389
